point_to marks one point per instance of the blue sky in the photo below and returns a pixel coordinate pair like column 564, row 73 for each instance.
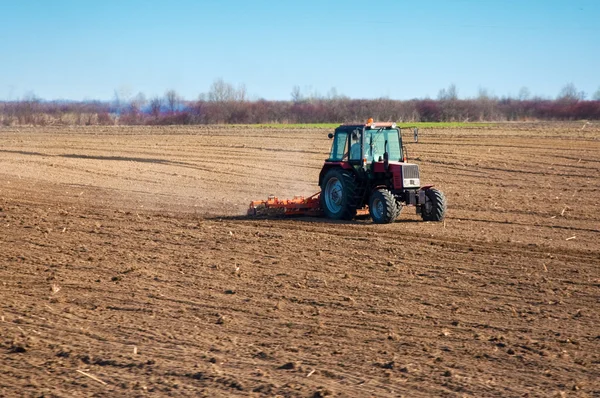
column 78, row 49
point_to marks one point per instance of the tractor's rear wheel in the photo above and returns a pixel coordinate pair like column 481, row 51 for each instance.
column 383, row 207
column 337, row 195
column 434, row 208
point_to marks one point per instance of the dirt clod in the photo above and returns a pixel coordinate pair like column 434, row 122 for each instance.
column 289, row 366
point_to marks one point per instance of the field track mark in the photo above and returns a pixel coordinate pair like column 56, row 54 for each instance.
column 98, row 157
column 515, row 170
column 536, row 225
column 329, row 228
column 536, row 215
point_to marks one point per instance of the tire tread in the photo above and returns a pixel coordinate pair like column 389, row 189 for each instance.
column 439, row 206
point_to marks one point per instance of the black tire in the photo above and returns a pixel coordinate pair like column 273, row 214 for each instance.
column 338, row 190
column 383, row 207
column 434, row 208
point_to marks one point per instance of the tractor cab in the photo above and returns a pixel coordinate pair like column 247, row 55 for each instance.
column 361, row 145
column 373, row 151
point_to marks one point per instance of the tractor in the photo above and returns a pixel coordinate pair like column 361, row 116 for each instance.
column 366, row 169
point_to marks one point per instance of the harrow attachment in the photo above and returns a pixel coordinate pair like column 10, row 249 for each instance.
column 298, row 206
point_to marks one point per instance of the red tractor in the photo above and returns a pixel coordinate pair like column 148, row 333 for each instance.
column 366, row 168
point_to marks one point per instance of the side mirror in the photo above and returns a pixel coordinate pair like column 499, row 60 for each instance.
column 330, row 135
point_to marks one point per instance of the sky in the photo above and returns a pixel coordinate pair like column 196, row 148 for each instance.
column 92, row 49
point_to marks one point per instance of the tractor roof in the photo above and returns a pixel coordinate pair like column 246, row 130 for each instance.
column 372, row 125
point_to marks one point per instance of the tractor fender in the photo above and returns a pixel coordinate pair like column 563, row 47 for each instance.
column 332, row 165
column 421, row 193
column 376, row 187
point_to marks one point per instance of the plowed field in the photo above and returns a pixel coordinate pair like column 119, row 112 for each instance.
column 127, row 267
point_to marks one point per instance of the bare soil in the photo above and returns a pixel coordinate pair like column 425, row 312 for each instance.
column 127, row 267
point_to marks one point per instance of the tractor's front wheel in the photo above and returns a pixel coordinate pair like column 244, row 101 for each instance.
column 337, row 195
column 434, row 208
column 383, row 207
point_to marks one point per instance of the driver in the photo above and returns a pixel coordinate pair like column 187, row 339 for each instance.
column 355, row 147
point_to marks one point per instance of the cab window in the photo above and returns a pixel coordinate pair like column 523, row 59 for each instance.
column 394, row 146
column 376, row 144
column 339, row 147
column 355, row 153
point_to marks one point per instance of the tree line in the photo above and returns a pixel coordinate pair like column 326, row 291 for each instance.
column 227, row 104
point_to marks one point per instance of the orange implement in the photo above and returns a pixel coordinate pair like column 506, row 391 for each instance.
column 298, row 206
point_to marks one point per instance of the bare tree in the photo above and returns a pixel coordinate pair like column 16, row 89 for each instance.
column 173, row 100
column 524, row 94
column 155, row 106
column 442, row 95
column 332, row 94
column 296, row 95
column 570, row 93
column 448, row 104
column 241, row 93
column 117, row 101
column 221, row 91
column 596, row 96
column 313, row 94
column 122, row 98
column 27, row 108
column 138, row 102
column 483, row 94
column 451, row 93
